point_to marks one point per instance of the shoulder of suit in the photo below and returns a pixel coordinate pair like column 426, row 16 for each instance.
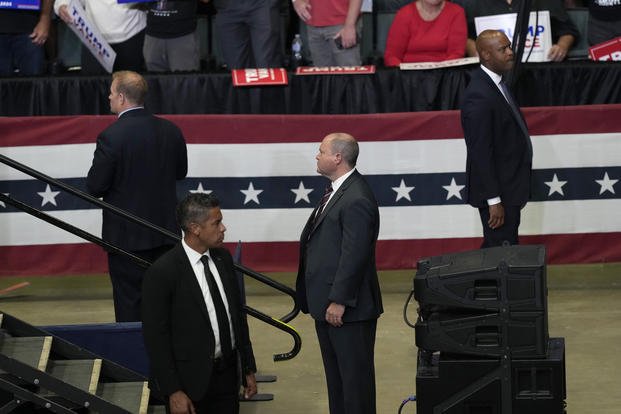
column 221, row 253
column 161, row 267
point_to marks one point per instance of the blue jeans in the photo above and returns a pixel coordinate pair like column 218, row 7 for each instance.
column 18, row 52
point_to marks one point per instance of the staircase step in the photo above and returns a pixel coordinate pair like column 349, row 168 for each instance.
column 82, row 373
column 34, row 351
column 132, row 396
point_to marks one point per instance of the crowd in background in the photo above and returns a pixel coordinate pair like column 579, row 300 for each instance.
column 162, row 36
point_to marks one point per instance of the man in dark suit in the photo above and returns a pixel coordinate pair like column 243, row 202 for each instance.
column 499, row 150
column 135, row 167
column 195, row 333
column 337, row 278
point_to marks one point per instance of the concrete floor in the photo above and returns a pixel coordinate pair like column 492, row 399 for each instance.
column 583, row 305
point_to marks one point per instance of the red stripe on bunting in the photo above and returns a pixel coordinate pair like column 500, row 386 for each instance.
column 283, row 256
column 243, row 129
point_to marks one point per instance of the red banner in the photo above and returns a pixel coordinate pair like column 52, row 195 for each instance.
column 610, row 50
column 259, row 76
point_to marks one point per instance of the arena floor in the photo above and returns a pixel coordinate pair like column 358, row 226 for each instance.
column 583, row 303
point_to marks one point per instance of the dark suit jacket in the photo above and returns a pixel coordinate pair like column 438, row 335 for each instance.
column 337, row 255
column 135, row 167
column 499, row 161
column 176, row 327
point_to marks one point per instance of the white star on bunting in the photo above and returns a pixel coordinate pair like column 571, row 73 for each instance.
column 251, row 194
column 453, row 189
column 301, row 193
column 606, row 184
column 200, row 190
column 556, row 186
column 403, row 191
column 48, row 195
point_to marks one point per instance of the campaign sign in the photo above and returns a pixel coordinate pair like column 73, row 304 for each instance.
column 609, row 50
column 538, row 41
column 89, row 34
column 21, row 4
column 335, row 70
column 259, row 77
column 438, row 65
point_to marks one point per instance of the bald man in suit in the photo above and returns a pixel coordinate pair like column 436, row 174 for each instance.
column 337, row 278
column 499, row 151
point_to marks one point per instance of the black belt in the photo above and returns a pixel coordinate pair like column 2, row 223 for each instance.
column 223, row 362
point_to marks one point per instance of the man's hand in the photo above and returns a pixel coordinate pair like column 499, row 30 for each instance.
column 496, row 216
column 180, row 403
column 41, row 31
column 347, row 35
column 334, row 314
column 557, row 53
column 303, row 9
column 250, row 389
column 63, row 12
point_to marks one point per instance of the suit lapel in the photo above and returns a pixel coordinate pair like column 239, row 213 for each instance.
column 516, row 116
column 335, row 198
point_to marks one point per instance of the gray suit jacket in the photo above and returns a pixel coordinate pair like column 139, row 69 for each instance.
column 337, row 255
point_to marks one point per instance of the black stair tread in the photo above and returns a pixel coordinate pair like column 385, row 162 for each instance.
column 82, row 373
column 132, row 396
column 31, row 350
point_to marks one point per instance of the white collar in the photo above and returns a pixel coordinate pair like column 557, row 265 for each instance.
column 339, row 181
column 192, row 254
column 495, row 77
column 129, row 109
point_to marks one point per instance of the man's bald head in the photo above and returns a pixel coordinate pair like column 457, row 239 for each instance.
column 344, row 144
column 494, row 50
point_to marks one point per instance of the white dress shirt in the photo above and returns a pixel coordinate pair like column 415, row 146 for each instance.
column 199, row 272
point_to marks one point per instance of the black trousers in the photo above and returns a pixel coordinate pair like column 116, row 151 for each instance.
column 348, row 360
column 508, row 232
column 128, row 57
column 126, row 277
column 222, row 397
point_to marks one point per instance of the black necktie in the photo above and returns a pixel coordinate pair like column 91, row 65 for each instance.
column 517, row 114
column 221, row 315
column 323, row 202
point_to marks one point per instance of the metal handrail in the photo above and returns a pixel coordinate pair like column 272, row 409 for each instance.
column 279, row 324
column 122, row 213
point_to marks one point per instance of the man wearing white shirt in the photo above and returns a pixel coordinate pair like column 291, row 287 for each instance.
column 499, row 150
column 195, row 333
column 121, row 25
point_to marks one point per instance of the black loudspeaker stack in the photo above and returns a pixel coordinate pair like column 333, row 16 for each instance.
column 482, row 334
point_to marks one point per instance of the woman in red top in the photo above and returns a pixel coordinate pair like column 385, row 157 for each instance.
column 426, row 31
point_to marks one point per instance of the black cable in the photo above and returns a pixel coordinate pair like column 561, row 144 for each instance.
column 405, row 309
column 532, row 44
column 407, row 400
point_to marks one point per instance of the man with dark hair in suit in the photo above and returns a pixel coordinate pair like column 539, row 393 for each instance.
column 499, row 150
column 194, row 330
column 136, row 164
column 337, row 279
